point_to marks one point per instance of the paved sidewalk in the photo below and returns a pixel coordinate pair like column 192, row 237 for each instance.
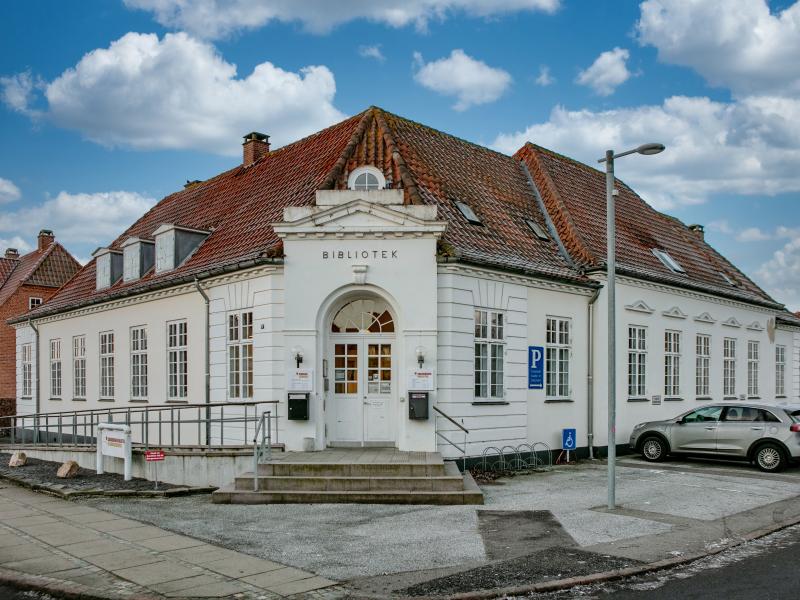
column 119, row 557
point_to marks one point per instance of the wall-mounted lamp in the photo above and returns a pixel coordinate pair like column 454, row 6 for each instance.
column 297, row 353
column 420, row 355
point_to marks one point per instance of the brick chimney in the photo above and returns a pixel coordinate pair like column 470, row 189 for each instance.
column 46, row 239
column 12, row 253
column 698, row 230
column 254, row 147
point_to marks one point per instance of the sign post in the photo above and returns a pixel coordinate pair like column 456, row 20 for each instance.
column 154, row 456
column 535, row 368
column 114, row 440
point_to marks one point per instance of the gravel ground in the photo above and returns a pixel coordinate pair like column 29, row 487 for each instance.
column 44, row 472
column 545, row 565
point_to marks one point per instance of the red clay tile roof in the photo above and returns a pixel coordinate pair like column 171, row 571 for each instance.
column 239, row 206
column 50, row 267
column 6, row 266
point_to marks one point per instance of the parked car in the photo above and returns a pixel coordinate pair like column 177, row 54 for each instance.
column 765, row 434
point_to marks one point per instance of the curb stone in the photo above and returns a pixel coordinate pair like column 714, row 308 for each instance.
column 68, row 494
column 65, row 589
column 570, row 582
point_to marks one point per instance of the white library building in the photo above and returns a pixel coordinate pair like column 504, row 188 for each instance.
column 379, row 278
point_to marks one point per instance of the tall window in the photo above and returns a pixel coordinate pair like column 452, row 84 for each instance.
column 79, row 367
column 557, row 356
column 27, row 370
column 177, row 361
column 488, row 355
column 637, row 361
column 138, row 363
column 780, row 370
column 55, row 368
column 703, row 363
column 240, row 355
column 729, row 367
column 672, row 363
column 752, row 368
column 107, row 364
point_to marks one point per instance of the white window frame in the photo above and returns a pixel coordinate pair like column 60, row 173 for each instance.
column 79, row 367
column 753, row 362
column 177, row 360
column 240, row 354
column 702, row 386
column 107, row 365
column 780, row 370
column 558, row 358
column 33, row 302
column 672, row 363
column 55, row 369
column 489, row 365
column 356, row 173
column 729, row 368
column 637, row 361
column 27, row 370
column 139, row 363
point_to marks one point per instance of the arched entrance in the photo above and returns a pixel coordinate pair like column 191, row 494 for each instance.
column 363, row 390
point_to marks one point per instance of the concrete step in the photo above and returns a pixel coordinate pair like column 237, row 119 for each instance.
column 324, row 469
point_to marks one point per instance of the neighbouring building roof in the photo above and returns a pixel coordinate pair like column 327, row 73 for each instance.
column 51, row 266
column 239, row 206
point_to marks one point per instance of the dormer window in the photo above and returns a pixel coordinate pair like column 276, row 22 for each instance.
column 669, row 262
column 137, row 258
column 468, row 213
column 174, row 244
column 108, row 267
column 536, row 229
column 365, row 179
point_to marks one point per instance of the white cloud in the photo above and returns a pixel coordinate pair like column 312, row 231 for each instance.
column 8, row 191
column 722, row 226
column 747, row 147
column 544, row 79
column 734, row 44
column 178, row 92
column 218, row 18
column 780, row 275
column 607, row 72
column 18, row 91
column 93, row 219
column 14, row 242
column 471, row 81
column 371, row 52
column 752, row 234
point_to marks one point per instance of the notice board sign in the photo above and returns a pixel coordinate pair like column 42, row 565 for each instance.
column 113, row 442
column 153, row 455
column 420, row 380
column 535, row 368
column 301, row 380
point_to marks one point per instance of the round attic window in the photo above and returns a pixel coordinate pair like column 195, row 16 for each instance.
column 365, row 179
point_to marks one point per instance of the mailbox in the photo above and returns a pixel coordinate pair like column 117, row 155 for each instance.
column 298, row 406
column 418, row 405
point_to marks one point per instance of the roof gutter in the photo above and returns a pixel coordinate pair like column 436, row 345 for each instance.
column 590, row 284
column 207, row 357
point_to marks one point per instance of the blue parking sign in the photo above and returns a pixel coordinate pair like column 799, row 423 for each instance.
column 568, row 439
column 535, row 367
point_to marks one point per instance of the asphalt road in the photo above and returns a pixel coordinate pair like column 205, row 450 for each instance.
column 765, row 569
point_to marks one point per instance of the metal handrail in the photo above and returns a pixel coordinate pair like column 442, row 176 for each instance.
column 175, row 422
column 264, row 446
column 462, row 449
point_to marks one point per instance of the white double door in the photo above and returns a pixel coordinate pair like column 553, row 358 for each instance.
column 362, row 395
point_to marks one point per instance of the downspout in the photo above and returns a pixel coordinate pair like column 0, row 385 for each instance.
column 590, row 376
column 36, row 331
column 208, row 360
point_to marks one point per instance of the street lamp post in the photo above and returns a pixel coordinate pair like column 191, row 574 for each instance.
column 611, row 270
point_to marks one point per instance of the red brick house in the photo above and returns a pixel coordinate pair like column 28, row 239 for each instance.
column 26, row 282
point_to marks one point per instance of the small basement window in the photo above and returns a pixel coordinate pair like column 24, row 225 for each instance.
column 668, row 261
column 468, row 213
column 537, row 229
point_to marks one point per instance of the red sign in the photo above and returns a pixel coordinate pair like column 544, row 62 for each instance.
column 151, row 455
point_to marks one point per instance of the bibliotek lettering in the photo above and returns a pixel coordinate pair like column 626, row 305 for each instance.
column 353, row 254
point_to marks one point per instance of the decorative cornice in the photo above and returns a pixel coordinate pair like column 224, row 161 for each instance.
column 705, row 318
column 755, row 326
column 529, row 281
column 640, row 306
column 674, row 313
column 731, row 322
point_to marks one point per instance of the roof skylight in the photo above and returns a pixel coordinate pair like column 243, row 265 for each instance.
column 729, row 280
column 537, row 229
column 468, row 213
column 669, row 262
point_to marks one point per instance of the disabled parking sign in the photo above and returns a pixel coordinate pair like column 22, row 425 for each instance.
column 535, row 367
column 568, row 439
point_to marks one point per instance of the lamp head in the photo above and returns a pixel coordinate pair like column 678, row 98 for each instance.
column 650, row 149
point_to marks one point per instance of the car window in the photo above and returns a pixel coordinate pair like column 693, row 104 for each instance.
column 794, row 415
column 768, row 417
column 703, row 415
column 742, row 413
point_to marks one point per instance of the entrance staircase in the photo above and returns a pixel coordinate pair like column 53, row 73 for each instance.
column 363, row 475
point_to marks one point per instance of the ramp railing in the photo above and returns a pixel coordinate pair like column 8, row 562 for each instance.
column 462, row 448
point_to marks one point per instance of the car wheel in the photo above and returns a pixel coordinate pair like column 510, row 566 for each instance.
column 654, row 449
column 770, row 458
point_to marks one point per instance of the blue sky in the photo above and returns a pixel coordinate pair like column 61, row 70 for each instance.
column 108, row 105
